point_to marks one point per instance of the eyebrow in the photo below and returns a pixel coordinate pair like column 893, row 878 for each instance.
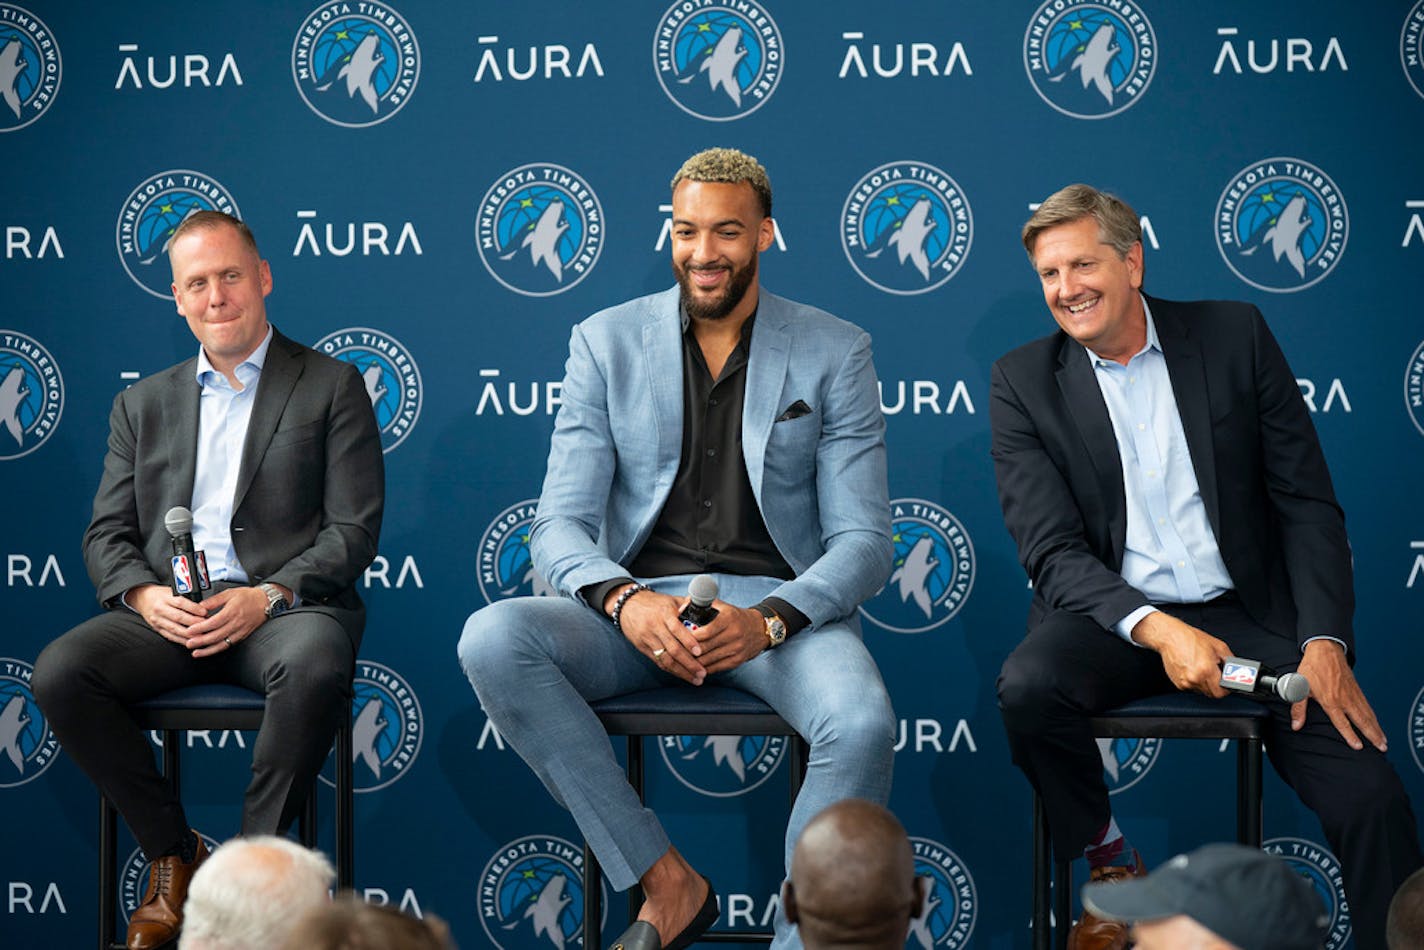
column 735, row 222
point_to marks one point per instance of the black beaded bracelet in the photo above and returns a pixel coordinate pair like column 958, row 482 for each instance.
column 623, row 599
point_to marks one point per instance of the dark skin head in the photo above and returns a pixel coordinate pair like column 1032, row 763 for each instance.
column 853, row 879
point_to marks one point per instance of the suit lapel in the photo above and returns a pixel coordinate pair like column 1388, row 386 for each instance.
column 1090, row 415
column 181, row 416
column 766, row 378
column 274, row 387
column 662, row 349
column 1187, row 370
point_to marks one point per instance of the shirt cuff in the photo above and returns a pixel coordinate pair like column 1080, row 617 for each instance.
column 595, row 594
column 794, row 619
column 1323, row 636
column 1125, row 625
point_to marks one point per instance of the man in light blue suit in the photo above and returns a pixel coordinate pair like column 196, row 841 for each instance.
column 711, row 428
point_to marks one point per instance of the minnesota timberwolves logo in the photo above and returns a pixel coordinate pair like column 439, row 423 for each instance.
column 906, row 227
column 933, row 572
column 150, row 215
column 392, row 379
column 722, row 766
column 1416, row 729
column 1413, row 389
column 539, row 229
column 133, row 878
column 386, row 730
column 952, row 903
column 531, row 894
column 31, row 394
column 1088, row 60
column 1281, row 224
column 1126, row 761
column 1317, row 865
column 1411, row 47
column 718, row 61
column 505, row 568
column 30, row 67
column 27, row 747
column 355, row 64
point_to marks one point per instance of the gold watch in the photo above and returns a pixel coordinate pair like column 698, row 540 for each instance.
column 775, row 626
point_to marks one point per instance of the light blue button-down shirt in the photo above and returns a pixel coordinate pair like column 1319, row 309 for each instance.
column 1170, row 552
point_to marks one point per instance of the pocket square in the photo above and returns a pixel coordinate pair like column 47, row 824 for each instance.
column 795, row 411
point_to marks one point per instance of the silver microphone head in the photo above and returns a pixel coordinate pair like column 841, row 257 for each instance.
column 1292, row 687
column 178, row 520
column 703, row 590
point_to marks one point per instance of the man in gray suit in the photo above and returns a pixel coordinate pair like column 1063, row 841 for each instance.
column 711, row 428
column 275, row 449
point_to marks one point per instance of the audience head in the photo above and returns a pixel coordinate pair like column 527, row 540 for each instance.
column 1404, row 927
column 250, row 893
column 349, row 923
column 853, row 879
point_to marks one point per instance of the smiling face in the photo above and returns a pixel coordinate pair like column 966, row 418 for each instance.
column 219, row 285
column 1091, row 291
column 718, row 230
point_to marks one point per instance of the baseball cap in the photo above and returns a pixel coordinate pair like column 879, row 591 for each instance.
column 1245, row 896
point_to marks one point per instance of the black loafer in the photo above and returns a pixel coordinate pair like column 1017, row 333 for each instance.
column 644, row 936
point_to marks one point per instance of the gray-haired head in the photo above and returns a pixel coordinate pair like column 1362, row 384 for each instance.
column 1119, row 227
column 251, row 892
column 727, row 165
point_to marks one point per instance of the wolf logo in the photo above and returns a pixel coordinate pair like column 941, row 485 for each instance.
column 12, row 394
column 726, row 750
column 933, row 569
column 951, row 906
column 1127, row 761
column 909, row 238
column 546, row 911
column 12, row 723
column 358, row 70
column 1092, row 64
column 1115, row 56
column 554, row 215
column 1291, row 208
column 364, row 733
column 12, row 66
column 372, row 378
column 912, row 575
column 543, row 240
column 1105, row 751
column 920, row 923
column 721, row 65
column 1285, row 233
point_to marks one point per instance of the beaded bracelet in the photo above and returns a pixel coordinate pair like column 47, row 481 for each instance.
column 623, row 599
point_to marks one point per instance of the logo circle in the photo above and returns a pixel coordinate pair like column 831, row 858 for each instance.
column 133, row 877
column 1281, row 224
column 539, row 229
column 952, row 905
column 355, row 69
column 722, row 766
column 27, row 744
column 718, row 61
column 150, row 215
column 387, row 727
column 30, row 67
column 391, row 376
column 505, row 567
column 906, row 227
column 1415, row 728
column 1414, row 388
column 1321, row 868
column 1127, row 761
column 1411, row 47
column 934, row 569
column 1086, row 60
column 531, row 893
column 31, row 394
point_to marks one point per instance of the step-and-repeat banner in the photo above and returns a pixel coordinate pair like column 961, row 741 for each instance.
column 389, row 156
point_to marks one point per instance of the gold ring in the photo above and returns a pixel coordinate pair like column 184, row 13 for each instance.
column 658, row 652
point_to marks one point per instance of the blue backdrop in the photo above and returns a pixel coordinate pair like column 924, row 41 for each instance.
column 387, row 156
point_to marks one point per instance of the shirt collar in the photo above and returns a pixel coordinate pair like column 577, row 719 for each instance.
column 245, row 371
column 1152, row 341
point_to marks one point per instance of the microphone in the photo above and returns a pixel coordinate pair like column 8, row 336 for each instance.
column 190, row 567
column 701, row 592
column 1250, row 676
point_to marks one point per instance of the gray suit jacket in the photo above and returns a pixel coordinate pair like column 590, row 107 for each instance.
column 310, row 488
column 819, row 478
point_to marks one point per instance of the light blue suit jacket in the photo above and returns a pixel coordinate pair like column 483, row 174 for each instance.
column 819, row 479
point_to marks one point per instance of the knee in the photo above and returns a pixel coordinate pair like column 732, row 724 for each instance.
column 491, row 644
column 861, row 720
column 56, row 679
column 1025, row 693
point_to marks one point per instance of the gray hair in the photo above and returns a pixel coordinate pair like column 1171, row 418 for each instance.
column 730, row 166
column 1118, row 225
column 251, row 892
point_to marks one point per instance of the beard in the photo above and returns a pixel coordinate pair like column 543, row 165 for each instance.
column 714, row 308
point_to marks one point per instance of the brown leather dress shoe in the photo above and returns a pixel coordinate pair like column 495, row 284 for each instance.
column 159, row 917
column 1092, row 932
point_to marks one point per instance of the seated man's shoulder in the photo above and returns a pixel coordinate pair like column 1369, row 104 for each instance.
column 629, row 313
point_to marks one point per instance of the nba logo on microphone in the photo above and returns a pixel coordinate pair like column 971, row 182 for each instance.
column 1238, row 673
column 182, row 580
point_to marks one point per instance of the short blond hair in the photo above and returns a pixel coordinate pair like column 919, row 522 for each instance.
column 1118, row 225
column 211, row 221
column 727, row 165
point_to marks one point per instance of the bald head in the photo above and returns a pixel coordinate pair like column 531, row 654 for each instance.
column 852, row 879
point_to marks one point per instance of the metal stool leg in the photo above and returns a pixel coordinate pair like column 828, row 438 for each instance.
column 1249, row 819
column 108, row 887
column 1042, row 877
column 344, row 809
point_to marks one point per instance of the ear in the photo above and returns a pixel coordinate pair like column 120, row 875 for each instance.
column 264, row 274
column 788, row 901
column 1134, row 265
column 766, row 233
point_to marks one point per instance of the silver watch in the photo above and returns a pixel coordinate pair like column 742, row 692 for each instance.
column 276, row 600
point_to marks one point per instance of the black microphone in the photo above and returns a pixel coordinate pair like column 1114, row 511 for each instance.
column 1251, row 676
column 190, row 567
column 701, row 592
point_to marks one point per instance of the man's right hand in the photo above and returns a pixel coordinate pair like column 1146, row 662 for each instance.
column 169, row 615
column 649, row 621
column 1191, row 657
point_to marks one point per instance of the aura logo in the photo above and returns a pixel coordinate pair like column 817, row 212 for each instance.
column 1411, row 47
column 133, row 877
column 1413, row 389
column 387, row 727
column 933, row 572
column 539, row 229
column 31, row 394
column 150, row 215
column 1322, row 869
column 531, row 894
column 1281, row 225
column 952, row 904
column 27, row 747
column 506, row 569
column 1127, row 761
column 906, row 227
column 722, row 766
column 718, row 61
column 392, row 379
column 30, row 67
column 1089, row 60
column 355, row 64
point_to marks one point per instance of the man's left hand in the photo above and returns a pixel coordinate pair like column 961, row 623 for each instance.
column 1334, row 688
column 733, row 637
column 233, row 614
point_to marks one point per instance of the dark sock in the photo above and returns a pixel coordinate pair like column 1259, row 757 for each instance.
column 185, row 850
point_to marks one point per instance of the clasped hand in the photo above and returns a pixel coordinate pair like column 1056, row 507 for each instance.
column 650, row 622
column 210, row 626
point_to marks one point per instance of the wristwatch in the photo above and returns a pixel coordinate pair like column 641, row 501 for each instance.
column 276, row 600
column 775, row 626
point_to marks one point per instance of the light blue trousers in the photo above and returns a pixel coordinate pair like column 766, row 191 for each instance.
column 823, row 682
